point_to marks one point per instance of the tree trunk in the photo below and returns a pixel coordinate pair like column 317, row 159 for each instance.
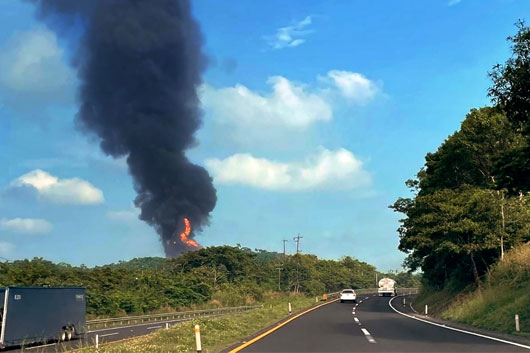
column 475, row 271
column 503, row 229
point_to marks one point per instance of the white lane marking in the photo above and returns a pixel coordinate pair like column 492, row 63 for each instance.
column 456, row 329
column 360, row 302
column 410, row 304
column 367, row 298
column 367, row 335
column 356, row 320
column 44, row 345
column 109, row 334
column 152, row 328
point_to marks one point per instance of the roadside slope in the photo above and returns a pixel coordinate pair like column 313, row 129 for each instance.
column 505, row 292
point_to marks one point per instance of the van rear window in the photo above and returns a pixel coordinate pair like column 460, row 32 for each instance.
column 347, row 291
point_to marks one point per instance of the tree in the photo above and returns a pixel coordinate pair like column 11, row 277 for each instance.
column 469, row 156
column 511, row 92
column 450, row 233
column 511, row 81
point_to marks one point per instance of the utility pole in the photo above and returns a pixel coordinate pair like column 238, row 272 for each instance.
column 297, row 240
column 284, row 241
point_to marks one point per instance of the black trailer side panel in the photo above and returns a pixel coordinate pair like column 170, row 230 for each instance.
column 2, row 302
column 40, row 314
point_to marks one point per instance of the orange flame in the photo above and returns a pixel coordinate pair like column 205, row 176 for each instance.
column 184, row 235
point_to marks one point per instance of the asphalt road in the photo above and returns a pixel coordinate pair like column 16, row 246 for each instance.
column 105, row 335
column 372, row 326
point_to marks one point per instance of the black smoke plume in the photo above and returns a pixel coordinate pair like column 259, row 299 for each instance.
column 140, row 63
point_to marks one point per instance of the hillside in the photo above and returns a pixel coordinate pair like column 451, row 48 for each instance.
column 213, row 276
column 504, row 293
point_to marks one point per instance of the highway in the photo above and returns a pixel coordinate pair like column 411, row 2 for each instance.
column 105, row 335
column 371, row 326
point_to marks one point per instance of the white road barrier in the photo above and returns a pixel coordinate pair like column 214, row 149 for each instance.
column 290, row 309
column 198, row 345
column 517, row 327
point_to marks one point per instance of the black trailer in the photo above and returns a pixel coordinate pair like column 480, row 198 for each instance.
column 40, row 314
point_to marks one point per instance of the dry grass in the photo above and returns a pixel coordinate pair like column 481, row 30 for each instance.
column 216, row 333
column 505, row 293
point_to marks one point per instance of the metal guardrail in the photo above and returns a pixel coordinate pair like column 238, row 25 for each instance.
column 407, row 291
column 187, row 315
column 178, row 316
column 400, row 291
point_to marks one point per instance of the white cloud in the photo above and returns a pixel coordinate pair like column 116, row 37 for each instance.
column 453, row 2
column 254, row 117
column 353, row 86
column 67, row 191
column 33, row 69
column 26, row 225
column 288, row 105
column 329, row 170
column 290, row 36
column 6, row 249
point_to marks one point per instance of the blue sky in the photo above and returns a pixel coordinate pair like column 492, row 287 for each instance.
column 315, row 113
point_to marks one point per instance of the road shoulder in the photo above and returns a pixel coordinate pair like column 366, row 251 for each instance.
column 507, row 338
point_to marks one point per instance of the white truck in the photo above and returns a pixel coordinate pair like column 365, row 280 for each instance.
column 387, row 286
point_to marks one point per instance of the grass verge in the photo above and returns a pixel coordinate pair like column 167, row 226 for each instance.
column 216, row 333
column 504, row 293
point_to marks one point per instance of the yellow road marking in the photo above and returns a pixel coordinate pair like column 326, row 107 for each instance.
column 246, row 344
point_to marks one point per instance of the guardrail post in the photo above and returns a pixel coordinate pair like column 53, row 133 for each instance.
column 97, row 341
column 316, row 299
column 197, row 330
column 290, row 309
column 404, row 301
column 426, row 309
column 517, row 327
column 167, row 325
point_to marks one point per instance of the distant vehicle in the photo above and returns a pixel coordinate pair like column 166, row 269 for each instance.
column 387, row 286
column 348, row 295
column 39, row 314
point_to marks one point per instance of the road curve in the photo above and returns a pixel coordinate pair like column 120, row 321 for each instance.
column 372, row 326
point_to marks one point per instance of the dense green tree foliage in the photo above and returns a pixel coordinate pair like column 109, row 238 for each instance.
column 470, row 201
column 221, row 275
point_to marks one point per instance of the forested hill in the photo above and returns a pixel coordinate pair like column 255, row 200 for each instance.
column 221, row 275
column 471, row 200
